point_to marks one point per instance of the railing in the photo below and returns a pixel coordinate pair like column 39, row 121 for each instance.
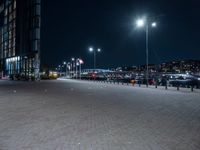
column 142, row 83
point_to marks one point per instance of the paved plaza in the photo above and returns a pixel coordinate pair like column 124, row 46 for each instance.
column 82, row 115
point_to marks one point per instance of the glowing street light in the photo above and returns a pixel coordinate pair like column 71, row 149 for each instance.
column 72, row 66
column 79, row 63
column 65, row 64
column 154, row 24
column 146, row 23
column 94, row 51
column 140, row 22
column 91, row 49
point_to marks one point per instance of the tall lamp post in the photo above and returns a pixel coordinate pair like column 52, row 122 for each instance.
column 79, row 63
column 72, row 67
column 65, row 64
column 146, row 23
column 59, row 70
column 94, row 51
column 68, row 67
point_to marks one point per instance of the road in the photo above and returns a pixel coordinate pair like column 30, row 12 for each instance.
column 81, row 115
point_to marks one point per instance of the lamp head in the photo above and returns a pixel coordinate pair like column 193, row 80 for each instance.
column 91, row 49
column 140, row 23
column 154, row 24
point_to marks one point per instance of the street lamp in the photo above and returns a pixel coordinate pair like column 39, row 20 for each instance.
column 59, row 70
column 91, row 49
column 98, row 50
column 140, row 22
column 94, row 51
column 154, row 24
column 65, row 64
column 68, row 65
column 72, row 67
column 78, row 64
column 146, row 23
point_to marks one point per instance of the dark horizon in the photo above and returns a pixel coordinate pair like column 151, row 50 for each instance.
column 69, row 28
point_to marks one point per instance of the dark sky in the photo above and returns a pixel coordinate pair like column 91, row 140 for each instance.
column 69, row 27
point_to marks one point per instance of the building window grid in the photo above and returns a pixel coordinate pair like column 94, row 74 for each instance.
column 8, row 33
column 8, row 41
column 35, row 24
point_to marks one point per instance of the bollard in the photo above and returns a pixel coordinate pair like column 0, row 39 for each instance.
column 178, row 88
column 156, row 85
column 139, row 85
column 192, row 88
column 166, row 87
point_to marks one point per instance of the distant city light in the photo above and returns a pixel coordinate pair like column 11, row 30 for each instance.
column 99, row 50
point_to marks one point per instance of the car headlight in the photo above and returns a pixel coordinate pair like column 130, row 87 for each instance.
column 199, row 79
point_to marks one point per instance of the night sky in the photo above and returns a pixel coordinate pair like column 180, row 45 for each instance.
column 69, row 27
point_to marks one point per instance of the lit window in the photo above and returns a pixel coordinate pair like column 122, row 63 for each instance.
column 10, row 8
column 37, row 33
column 14, row 5
column 37, row 10
column 6, row 12
column 5, row 20
column 14, row 14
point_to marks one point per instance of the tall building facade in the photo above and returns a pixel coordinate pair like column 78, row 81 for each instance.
column 20, row 22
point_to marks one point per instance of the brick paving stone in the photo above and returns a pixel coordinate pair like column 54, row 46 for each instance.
column 81, row 115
